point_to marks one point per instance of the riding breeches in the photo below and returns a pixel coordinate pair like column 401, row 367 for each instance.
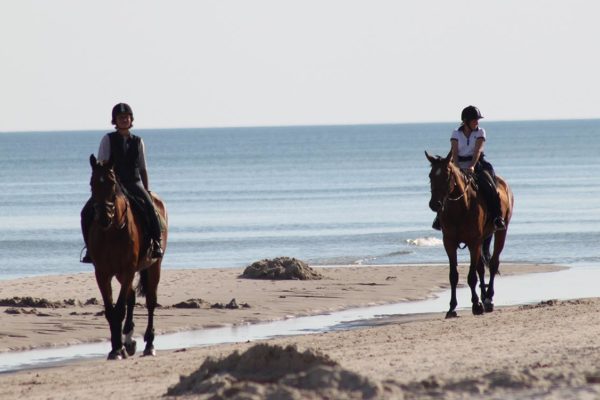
column 486, row 181
column 142, row 203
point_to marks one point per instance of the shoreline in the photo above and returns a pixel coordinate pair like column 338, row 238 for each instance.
column 548, row 350
column 343, row 287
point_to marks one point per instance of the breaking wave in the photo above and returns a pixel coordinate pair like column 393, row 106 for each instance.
column 425, row 242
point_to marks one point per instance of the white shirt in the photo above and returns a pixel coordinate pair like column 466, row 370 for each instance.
column 466, row 145
column 104, row 151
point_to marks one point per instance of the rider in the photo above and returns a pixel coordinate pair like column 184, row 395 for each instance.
column 126, row 151
column 467, row 143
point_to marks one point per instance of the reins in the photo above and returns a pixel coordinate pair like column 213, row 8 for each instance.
column 110, row 207
column 468, row 181
column 124, row 223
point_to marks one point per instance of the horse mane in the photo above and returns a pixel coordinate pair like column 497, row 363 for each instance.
column 467, row 179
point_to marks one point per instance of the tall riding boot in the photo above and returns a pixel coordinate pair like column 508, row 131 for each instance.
column 436, row 223
column 495, row 210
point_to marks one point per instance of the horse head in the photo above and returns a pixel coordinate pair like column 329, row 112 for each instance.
column 104, row 191
column 442, row 179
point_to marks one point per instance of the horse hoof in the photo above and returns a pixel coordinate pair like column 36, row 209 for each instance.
column 149, row 351
column 451, row 314
column 477, row 309
column 130, row 348
column 488, row 305
column 117, row 354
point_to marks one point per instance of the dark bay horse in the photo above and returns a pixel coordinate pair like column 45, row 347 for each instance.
column 117, row 249
column 463, row 217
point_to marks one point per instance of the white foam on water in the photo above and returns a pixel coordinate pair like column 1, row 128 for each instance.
column 428, row 241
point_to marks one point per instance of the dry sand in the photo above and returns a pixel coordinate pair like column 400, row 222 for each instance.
column 546, row 351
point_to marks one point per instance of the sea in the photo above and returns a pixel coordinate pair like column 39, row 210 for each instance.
column 355, row 194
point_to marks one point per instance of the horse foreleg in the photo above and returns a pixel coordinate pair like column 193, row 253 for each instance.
column 109, row 313
column 152, row 278
column 118, row 315
column 453, row 276
column 128, row 327
column 475, row 251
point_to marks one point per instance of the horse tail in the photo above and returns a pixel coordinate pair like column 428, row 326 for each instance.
column 142, row 287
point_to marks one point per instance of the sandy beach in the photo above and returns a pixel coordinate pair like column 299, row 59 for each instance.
column 549, row 350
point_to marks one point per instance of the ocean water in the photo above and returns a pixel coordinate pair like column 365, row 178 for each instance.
column 324, row 194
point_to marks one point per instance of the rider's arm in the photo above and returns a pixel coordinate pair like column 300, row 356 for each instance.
column 142, row 164
column 477, row 152
column 454, row 150
column 104, row 149
column 144, row 176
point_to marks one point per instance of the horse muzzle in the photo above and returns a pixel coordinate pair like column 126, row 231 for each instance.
column 435, row 205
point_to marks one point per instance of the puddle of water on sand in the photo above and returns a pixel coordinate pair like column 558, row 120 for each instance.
column 579, row 282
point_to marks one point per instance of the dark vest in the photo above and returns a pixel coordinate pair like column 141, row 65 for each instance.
column 126, row 163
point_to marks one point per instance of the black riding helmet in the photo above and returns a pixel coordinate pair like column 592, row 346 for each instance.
column 121, row 108
column 470, row 113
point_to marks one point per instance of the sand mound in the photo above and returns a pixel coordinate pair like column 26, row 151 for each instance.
column 274, row 372
column 280, row 268
column 37, row 302
column 192, row 303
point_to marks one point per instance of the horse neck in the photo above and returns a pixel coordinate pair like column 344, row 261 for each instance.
column 121, row 210
column 461, row 191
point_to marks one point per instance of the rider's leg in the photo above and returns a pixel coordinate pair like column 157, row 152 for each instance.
column 436, row 223
column 152, row 222
column 487, row 186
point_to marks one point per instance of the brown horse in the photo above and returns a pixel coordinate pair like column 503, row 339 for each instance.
column 464, row 219
column 117, row 249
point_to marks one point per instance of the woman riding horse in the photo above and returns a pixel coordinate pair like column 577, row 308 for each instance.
column 127, row 153
column 467, row 142
column 114, row 234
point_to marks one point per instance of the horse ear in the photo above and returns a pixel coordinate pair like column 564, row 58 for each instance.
column 431, row 159
column 449, row 156
column 93, row 161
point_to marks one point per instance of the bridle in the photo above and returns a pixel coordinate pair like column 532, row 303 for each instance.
column 108, row 208
column 468, row 180
column 451, row 183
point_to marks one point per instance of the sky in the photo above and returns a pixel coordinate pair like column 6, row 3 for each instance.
column 179, row 63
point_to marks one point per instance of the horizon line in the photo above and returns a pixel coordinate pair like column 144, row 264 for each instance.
column 309, row 125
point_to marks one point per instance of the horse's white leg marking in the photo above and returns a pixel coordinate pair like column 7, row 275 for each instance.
column 129, row 337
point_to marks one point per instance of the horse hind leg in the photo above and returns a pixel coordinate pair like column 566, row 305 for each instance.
column 485, row 251
column 485, row 262
column 128, row 327
column 148, row 285
column 494, row 266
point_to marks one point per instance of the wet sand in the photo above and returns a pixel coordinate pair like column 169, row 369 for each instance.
column 343, row 287
column 545, row 351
